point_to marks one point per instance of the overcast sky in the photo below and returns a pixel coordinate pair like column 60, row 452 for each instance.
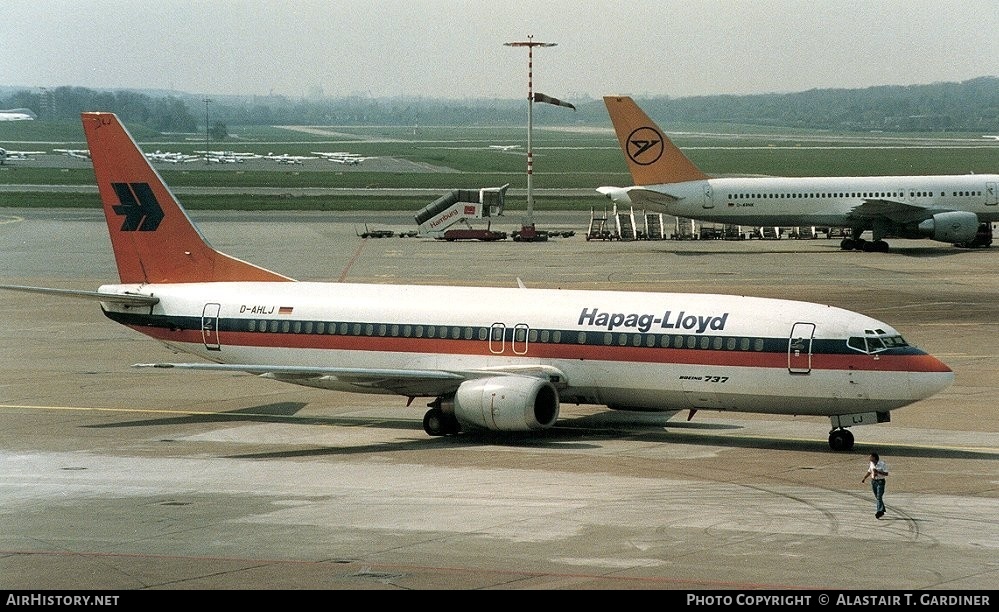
column 455, row 48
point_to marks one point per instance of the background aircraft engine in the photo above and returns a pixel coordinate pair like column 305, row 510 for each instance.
column 956, row 226
column 507, row 403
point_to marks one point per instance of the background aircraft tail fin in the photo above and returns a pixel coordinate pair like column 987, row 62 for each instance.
column 652, row 158
column 154, row 240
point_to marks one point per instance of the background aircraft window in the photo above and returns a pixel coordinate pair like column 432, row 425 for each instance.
column 285, row 326
column 636, row 340
column 251, row 325
column 456, row 333
column 730, row 344
column 705, row 342
column 483, row 334
column 691, row 341
column 608, row 338
column 533, row 336
column 369, row 329
column 394, row 331
column 650, row 341
column 717, row 342
column 418, row 331
column 556, row 336
column 431, row 331
column 382, row 330
column 677, row 341
column 356, row 330
column 664, row 341
column 407, row 330
column 468, row 333
column 296, row 327
column 581, row 338
column 758, row 344
column 545, row 335
column 274, row 326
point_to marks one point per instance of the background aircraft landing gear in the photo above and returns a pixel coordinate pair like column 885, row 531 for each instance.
column 867, row 246
column 850, row 244
column 841, row 440
column 875, row 246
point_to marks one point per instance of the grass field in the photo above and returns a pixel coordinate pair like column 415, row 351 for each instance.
column 584, row 157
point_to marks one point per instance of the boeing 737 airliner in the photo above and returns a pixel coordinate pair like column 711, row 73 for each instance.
column 501, row 359
column 957, row 209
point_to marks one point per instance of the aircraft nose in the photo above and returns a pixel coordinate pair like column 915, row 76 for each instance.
column 930, row 377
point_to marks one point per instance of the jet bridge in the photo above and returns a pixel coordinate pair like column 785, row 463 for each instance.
column 460, row 206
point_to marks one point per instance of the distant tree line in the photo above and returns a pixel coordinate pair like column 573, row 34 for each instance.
column 161, row 113
column 971, row 105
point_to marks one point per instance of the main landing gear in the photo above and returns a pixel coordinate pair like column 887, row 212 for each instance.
column 868, row 246
column 841, row 440
column 436, row 422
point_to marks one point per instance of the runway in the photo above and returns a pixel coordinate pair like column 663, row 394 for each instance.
column 116, row 478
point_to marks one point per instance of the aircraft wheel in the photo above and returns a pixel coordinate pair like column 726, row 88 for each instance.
column 847, row 244
column 840, row 440
column 881, row 246
column 434, row 422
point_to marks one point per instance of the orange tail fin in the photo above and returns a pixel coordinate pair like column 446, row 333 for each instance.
column 652, row 158
column 154, row 240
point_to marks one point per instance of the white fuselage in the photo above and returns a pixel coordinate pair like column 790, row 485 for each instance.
column 823, row 201
column 626, row 350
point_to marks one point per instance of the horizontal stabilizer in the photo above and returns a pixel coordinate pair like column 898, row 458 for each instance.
column 129, row 299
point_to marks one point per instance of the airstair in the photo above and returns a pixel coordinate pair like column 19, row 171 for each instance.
column 459, row 206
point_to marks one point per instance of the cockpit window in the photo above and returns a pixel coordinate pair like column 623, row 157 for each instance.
column 875, row 342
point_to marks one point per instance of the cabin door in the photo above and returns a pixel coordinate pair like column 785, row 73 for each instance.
column 708, row 200
column 799, row 348
column 210, row 327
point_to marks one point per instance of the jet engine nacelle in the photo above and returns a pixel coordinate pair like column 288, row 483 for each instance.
column 507, row 403
column 955, row 227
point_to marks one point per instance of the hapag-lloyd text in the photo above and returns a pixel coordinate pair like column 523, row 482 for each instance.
column 643, row 322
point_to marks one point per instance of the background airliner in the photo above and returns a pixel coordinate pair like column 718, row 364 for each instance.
column 487, row 358
column 958, row 209
column 17, row 114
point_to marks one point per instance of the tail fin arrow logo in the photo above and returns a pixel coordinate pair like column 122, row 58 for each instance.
column 645, row 146
column 139, row 206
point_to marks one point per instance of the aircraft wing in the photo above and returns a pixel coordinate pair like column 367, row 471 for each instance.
column 409, row 383
column 893, row 210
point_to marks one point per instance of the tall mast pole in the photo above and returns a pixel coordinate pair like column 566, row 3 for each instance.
column 530, row 44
